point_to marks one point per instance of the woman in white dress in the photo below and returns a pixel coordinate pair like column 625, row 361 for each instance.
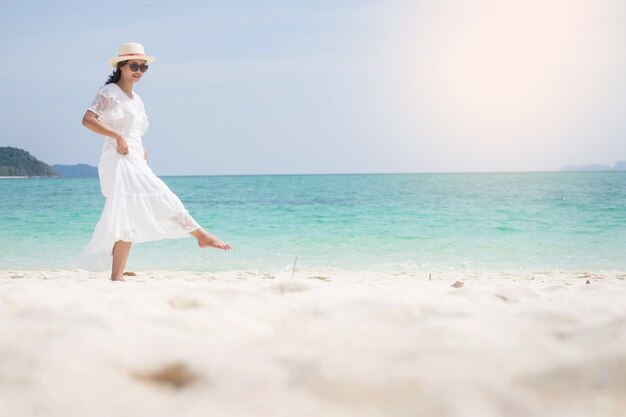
column 139, row 206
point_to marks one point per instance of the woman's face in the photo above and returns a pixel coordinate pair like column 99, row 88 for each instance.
column 136, row 65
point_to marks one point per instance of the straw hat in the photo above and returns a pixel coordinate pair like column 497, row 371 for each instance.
column 128, row 51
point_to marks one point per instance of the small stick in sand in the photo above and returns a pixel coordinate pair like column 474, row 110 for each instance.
column 293, row 270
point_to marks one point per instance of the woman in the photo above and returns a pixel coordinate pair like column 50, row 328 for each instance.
column 139, row 206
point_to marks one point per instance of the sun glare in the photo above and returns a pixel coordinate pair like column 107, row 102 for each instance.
column 496, row 71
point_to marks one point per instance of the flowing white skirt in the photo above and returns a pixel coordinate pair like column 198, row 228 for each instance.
column 139, row 207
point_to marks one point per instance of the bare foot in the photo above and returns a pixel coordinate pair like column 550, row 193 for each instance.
column 207, row 240
column 118, row 279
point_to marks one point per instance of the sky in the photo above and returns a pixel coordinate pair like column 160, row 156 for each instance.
column 295, row 87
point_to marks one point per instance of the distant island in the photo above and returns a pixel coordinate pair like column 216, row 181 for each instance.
column 619, row 166
column 76, row 171
column 15, row 162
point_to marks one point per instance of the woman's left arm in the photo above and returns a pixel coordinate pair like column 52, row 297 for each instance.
column 145, row 154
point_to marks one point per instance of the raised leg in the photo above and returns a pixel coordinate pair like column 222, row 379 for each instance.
column 207, row 240
column 121, row 250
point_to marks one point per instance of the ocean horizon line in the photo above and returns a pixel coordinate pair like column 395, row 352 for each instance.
column 343, row 174
column 385, row 173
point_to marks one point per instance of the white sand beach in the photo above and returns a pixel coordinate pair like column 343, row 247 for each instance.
column 318, row 343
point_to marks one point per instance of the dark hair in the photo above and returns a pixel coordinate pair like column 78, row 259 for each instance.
column 117, row 74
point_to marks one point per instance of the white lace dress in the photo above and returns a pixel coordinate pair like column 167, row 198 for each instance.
column 139, row 206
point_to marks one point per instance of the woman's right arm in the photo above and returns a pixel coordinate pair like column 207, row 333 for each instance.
column 91, row 122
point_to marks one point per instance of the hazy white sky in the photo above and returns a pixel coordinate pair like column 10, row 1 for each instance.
column 248, row 87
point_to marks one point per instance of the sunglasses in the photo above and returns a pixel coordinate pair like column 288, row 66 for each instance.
column 136, row 67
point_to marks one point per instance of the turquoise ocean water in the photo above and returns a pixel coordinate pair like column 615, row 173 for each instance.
column 419, row 222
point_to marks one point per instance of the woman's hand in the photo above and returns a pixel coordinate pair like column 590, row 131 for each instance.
column 145, row 154
column 122, row 146
column 90, row 120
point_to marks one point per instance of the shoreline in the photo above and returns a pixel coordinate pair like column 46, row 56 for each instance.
column 337, row 273
column 245, row 343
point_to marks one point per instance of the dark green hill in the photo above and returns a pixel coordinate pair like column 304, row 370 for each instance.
column 16, row 162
